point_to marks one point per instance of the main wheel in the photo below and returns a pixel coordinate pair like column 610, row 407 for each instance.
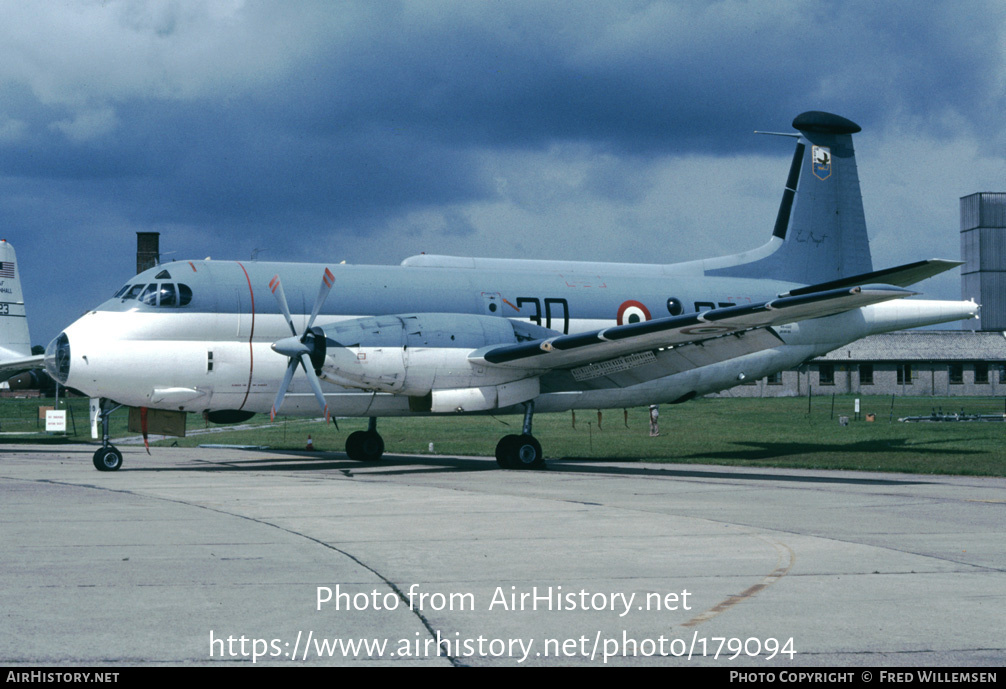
column 107, row 459
column 365, row 446
column 519, row 452
column 527, row 453
column 506, row 451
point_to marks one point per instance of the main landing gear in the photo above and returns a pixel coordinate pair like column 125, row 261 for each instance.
column 365, row 446
column 512, row 452
column 521, row 451
column 108, row 457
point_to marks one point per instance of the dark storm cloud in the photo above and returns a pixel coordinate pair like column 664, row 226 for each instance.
column 385, row 116
column 241, row 123
column 661, row 77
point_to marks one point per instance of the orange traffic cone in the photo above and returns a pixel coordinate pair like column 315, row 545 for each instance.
column 310, row 443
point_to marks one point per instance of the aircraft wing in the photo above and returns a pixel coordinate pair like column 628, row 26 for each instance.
column 12, row 367
column 682, row 342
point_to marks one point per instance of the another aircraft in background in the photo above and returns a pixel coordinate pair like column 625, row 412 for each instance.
column 15, row 345
column 450, row 335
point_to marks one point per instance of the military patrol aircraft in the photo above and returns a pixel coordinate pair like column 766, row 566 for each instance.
column 451, row 335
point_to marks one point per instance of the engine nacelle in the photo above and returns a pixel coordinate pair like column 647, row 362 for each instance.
column 426, row 354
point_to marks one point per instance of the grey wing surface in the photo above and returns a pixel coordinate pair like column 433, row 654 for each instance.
column 629, row 354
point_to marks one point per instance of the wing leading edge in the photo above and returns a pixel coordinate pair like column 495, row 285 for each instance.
column 601, row 348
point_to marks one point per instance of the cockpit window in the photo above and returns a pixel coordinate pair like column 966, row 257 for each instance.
column 149, row 295
column 133, row 292
column 159, row 294
column 167, row 295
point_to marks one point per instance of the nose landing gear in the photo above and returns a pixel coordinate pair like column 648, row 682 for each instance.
column 108, row 457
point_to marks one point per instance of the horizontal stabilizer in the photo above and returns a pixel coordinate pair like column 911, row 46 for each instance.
column 9, row 367
column 902, row 276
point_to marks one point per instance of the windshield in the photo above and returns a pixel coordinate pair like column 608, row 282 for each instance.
column 158, row 294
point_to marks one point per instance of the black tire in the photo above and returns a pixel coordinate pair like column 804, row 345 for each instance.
column 373, row 446
column 107, row 459
column 506, row 452
column 527, row 453
column 365, row 446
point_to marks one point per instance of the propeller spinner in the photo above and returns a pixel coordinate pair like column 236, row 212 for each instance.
column 307, row 350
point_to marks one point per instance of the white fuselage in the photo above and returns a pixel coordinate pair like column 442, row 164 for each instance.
column 214, row 353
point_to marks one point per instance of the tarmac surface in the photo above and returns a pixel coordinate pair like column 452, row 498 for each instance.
column 221, row 556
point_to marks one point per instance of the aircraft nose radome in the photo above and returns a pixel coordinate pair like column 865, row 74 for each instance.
column 57, row 359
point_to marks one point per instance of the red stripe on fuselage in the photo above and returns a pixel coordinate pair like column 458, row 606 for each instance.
column 251, row 336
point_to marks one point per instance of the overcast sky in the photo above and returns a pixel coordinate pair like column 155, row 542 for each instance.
column 370, row 131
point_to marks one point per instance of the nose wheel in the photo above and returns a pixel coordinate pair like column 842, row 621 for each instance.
column 108, row 457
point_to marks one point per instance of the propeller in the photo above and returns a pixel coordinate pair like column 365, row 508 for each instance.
column 307, row 350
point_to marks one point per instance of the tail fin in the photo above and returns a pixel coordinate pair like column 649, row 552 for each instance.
column 14, row 340
column 820, row 231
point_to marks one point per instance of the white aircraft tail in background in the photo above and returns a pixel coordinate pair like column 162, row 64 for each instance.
column 15, row 345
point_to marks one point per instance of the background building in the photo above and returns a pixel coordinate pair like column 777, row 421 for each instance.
column 970, row 361
column 983, row 250
column 941, row 363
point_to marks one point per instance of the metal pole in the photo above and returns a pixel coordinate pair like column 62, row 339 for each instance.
column 56, row 406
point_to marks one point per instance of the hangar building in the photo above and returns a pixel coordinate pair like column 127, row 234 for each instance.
column 971, row 361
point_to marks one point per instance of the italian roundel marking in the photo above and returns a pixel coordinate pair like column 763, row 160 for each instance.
column 632, row 312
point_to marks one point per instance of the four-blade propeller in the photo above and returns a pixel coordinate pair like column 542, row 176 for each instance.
column 307, row 350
